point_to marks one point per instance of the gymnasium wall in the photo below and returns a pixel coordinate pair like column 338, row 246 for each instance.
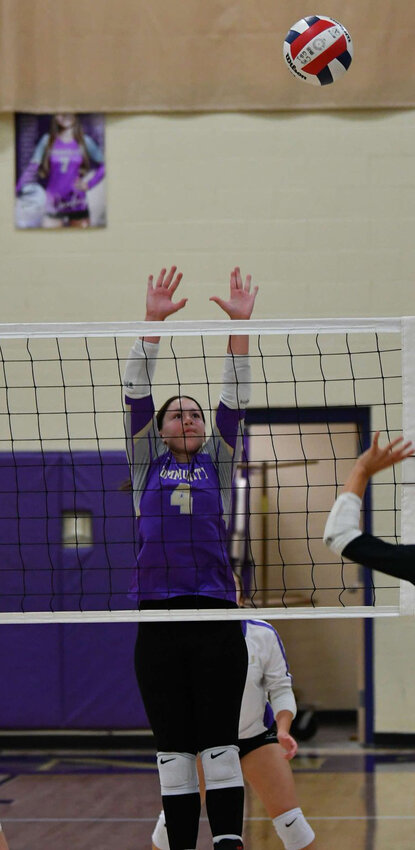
column 318, row 206
column 169, row 56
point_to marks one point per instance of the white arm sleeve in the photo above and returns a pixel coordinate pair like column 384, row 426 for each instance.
column 277, row 680
column 236, row 381
column 342, row 525
column 140, row 367
column 283, row 699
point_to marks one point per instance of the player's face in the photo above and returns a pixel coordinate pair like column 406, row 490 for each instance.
column 183, row 428
column 65, row 120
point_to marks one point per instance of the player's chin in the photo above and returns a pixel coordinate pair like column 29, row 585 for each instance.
column 193, row 442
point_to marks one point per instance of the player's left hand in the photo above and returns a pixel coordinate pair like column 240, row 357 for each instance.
column 81, row 185
column 288, row 744
column 241, row 299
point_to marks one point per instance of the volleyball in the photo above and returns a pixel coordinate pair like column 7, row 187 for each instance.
column 318, row 50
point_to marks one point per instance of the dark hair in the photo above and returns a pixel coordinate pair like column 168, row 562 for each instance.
column 161, row 413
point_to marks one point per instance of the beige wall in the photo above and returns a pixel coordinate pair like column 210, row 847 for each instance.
column 319, row 207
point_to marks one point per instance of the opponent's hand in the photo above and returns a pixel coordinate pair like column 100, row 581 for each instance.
column 288, row 744
column 159, row 302
column 241, row 299
column 375, row 459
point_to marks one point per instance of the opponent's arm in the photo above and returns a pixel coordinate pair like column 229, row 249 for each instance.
column 342, row 526
column 278, row 684
column 287, row 742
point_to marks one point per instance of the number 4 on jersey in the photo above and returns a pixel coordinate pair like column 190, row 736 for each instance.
column 181, row 498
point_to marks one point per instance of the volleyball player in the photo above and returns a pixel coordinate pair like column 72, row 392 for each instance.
column 63, row 159
column 342, row 533
column 3, row 843
column 265, row 743
column 189, row 671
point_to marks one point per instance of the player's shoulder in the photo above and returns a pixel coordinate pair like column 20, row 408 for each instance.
column 43, row 141
column 262, row 630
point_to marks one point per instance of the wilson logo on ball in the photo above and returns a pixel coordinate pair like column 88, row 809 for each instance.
column 318, row 50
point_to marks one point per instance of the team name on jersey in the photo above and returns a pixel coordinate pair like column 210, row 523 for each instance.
column 197, row 474
column 66, row 155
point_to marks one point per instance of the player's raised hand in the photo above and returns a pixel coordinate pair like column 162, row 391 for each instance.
column 375, row 459
column 159, row 303
column 241, row 299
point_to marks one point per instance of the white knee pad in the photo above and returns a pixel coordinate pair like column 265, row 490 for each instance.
column 177, row 772
column 159, row 837
column 222, row 767
column 293, row 829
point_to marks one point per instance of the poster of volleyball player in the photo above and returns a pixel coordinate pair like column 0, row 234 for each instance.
column 60, row 170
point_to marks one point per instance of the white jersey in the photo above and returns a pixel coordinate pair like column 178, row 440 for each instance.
column 268, row 679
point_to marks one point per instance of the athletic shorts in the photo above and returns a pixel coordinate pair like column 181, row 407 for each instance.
column 69, row 215
column 192, row 677
column 247, row 745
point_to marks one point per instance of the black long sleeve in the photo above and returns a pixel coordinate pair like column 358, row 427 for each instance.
column 392, row 559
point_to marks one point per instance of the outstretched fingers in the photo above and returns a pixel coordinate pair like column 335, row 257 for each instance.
column 397, row 448
column 169, row 277
column 237, row 281
column 160, row 279
column 394, row 452
column 173, row 286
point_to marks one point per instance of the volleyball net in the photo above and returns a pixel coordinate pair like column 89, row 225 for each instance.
column 320, row 389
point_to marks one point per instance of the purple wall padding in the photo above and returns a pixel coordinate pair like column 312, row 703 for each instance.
column 78, row 676
column 31, row 681
column 30, row 531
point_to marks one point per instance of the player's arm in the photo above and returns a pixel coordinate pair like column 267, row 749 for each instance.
column 239, row 305
column 139, row 421
column 139, row 372
column 278, row 684
column 140, row 426
column 343, row 534
column 30, row 173
column 95, row 154
column 3, row 843
column 237, row 373
column 287, row 742
column 159, row 300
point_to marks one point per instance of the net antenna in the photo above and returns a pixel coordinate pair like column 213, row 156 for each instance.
column 320, row 389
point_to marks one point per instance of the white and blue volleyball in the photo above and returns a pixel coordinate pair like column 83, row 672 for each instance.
column 318, row 50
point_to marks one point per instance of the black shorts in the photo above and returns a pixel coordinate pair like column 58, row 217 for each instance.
column 192, row 677
column 247, row 745
column 70, row 215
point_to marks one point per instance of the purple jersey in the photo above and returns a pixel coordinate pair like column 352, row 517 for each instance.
column 183, row 509
column 65, row 161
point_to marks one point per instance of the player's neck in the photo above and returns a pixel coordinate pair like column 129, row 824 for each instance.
column 66, row 135
column 183, row 456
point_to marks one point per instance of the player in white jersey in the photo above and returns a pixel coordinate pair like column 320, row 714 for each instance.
column 265, row 743
column 3, row 843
